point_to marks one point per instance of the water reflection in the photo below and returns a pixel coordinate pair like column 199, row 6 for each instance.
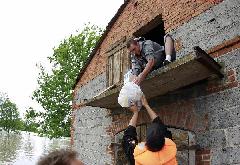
column 9, row 145
column 25, row 148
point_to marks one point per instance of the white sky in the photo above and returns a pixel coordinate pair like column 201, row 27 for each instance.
column 29, row 29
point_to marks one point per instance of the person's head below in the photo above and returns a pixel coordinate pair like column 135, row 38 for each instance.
column 155, row 138
column 133, row 47
column 60, row 157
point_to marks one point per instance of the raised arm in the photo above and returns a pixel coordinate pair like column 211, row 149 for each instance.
column 130, row 136
column 155, row 118
column 133, row 121
column 149, row 55
column 145, row 72
column 151, row 113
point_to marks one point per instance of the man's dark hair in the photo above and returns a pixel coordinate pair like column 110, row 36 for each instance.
column 130, row 42
column 155, row 139
column 58, row 157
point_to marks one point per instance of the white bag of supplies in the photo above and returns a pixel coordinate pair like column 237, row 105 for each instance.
column 130, row 93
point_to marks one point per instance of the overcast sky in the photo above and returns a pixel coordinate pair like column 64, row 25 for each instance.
column 29, row 29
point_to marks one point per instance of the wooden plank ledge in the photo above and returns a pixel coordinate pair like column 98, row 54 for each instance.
column 180, row 73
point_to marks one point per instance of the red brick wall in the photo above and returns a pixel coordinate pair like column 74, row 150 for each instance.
column 179, row 114
column 203, row 157
column 230, row 80
column 139, row 13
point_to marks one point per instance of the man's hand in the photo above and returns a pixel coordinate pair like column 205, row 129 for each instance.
column 145, row 72
column 138, row 80
column 144, row 101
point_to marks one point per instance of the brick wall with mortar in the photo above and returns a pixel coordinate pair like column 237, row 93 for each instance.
column 88, row 134
column 137, row 14
column 210, row 109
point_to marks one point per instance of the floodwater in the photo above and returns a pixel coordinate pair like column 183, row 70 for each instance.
column 26, row 148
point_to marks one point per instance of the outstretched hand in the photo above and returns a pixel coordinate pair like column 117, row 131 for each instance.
column 137, row 80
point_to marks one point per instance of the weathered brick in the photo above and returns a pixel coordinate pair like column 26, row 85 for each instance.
column 190, row 122
column 206, row 157
column 228, row 155
column 89, row 127
column 202, row 152
column 212, row 116
column 230, row 72
column 238, row 73
column 225, row 45
column 233, row 136
column 218, row 138
column 173, row 16
column 203, row 157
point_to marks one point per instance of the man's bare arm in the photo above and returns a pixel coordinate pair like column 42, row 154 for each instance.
column 149, row 55
column 145, row 72
column 147, row 69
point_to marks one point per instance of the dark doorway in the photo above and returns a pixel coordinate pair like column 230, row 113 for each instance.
column 156, row 34
column 154, row 31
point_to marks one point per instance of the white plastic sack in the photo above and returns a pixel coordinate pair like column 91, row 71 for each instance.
column 128, row 77
column 130, row 93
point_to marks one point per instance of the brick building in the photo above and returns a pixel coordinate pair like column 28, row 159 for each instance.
column 197, row 96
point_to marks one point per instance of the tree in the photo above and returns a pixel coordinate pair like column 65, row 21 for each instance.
column 9, row 115
column 55, row 89
column 31, row 120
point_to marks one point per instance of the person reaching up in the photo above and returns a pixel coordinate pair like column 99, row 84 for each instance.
column 158, row 149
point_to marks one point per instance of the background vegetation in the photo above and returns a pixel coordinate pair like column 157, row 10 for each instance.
column 55, row 88
column 54, row 92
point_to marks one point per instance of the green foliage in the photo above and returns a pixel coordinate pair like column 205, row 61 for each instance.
column 55, row 89
column 31, row 120
column 9, row 115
